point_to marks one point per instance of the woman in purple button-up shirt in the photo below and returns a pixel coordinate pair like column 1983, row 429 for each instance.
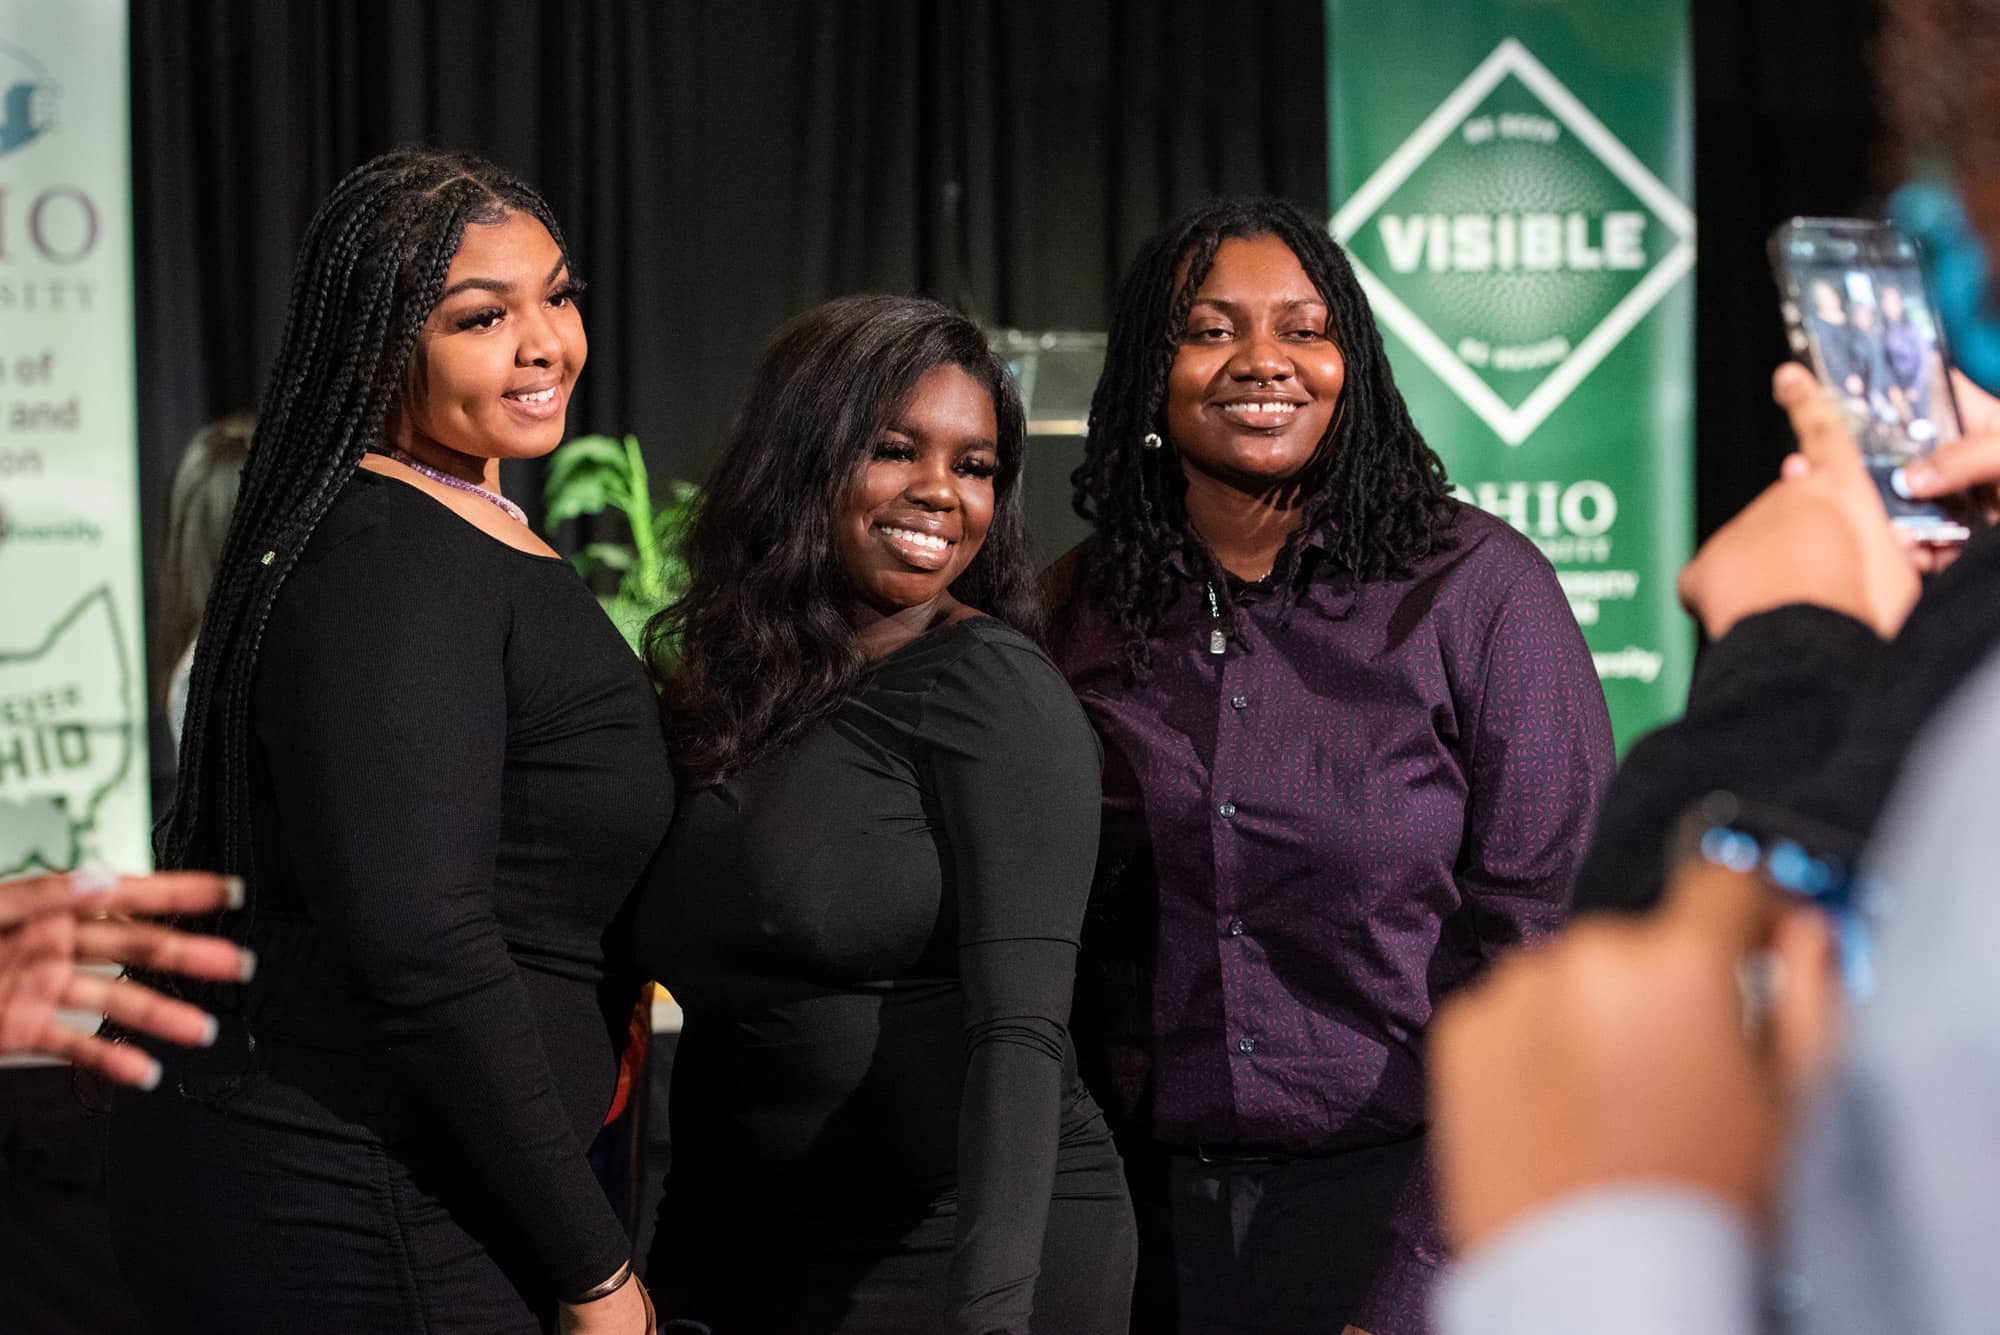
column 1353, row 746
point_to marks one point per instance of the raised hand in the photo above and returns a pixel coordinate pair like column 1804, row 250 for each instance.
column 50, row 925
column 1818, row 535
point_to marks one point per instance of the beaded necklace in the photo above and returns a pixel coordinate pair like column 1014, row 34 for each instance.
column 494, row 498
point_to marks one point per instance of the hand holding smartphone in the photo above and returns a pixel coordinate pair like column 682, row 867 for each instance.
column 1860, row 313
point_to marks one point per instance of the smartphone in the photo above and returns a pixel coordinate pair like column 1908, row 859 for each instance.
column 1859, row 311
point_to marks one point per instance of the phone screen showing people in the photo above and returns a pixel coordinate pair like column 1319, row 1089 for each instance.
column 1858, row 313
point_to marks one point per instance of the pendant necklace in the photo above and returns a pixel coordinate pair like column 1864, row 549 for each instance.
column 1217, row 641
column 493, row 498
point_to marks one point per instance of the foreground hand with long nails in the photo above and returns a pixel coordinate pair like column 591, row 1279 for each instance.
column 51, row 925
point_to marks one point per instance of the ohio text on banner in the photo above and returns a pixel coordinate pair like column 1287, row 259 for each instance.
column 1513, row 180
column 72, row 676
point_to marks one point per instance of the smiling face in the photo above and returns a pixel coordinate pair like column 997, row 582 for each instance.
column 917, row 511
column 500, row 352
column 1257, row 379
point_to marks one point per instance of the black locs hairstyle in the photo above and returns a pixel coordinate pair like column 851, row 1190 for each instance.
column 371, row 266
column 1380, row 485
column 758, row 650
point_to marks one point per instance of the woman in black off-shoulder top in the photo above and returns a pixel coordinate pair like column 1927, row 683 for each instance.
column 870, row 901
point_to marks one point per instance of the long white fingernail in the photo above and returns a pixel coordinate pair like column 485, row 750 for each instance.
column 232, row 892
column 151, row 1080
column 210, row 1029
column 249, row 969
column 92, row 877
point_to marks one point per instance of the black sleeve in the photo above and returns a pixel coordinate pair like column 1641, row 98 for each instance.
column 1015, row 769
column 1954, row 628
column 386, row 742
column 1768, row 706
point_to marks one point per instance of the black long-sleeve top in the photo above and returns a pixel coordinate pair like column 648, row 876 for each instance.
column 873, row 936
column 460, row 776
column 1799, row 706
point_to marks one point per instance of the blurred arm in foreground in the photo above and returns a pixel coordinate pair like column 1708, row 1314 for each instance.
column 1614, row 1130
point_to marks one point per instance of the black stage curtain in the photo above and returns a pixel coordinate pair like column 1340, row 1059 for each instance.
column 719, row 165
column 722, row 164
column 1784, row 126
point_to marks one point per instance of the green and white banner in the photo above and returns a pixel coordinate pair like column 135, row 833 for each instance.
column 1512, row 180
column 73, row 769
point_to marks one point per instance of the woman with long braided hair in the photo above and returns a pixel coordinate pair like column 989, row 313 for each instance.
column 1353, row 743
column 417, row 739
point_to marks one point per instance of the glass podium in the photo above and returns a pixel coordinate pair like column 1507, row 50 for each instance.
column 1056, row 371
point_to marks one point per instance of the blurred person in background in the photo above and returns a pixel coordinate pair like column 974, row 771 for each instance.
column 1906, row 355
column 199, row 504
column 1841, row 347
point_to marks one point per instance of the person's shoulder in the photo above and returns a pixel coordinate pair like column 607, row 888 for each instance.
column 1062, row 581
column 1486, row 540
column 1488, row 560
column 378, row 516
column 987, row 680
column 983, row 655
column 938, row 655
column 383, row 540
column 1490, row 575
column 1081, row 631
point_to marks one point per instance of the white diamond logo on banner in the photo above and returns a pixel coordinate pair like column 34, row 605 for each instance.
column 1570, row 359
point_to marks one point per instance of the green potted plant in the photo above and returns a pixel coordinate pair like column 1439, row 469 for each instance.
column 594, row 473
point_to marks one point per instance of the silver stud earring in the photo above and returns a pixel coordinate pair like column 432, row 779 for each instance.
column 1150, row 441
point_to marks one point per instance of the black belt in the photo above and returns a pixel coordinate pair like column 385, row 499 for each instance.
column 1225, row 1155
column 1230, row 1154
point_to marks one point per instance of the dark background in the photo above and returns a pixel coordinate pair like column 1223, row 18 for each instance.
column 721, row 164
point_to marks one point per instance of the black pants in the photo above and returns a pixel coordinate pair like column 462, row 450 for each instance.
column 1272, row 1247
column 817, row 1272
column 282, row 1208
column 56, row 1274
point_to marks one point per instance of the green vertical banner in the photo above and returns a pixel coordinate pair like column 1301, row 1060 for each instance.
column 73, row 771
column 1513, row 179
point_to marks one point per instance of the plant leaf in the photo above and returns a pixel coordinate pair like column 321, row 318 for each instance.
column 605, row 556
column 582, row 456
column 582, row 495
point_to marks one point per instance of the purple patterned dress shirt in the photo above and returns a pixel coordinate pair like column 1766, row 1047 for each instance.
column 1312, row 837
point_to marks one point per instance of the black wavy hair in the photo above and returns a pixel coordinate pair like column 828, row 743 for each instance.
column 370, row 268
column 759, row 650
column 1382, row 489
